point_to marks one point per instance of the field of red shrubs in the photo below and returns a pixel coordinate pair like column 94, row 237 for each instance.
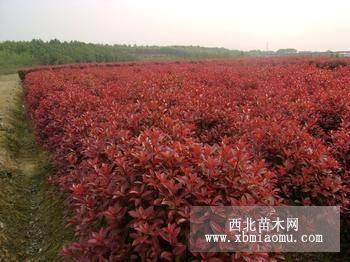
column 135, row 145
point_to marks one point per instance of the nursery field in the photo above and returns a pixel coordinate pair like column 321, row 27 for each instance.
column 135, row 145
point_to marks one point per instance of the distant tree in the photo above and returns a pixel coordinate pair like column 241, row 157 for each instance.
column 286, row 51
column 14, row 55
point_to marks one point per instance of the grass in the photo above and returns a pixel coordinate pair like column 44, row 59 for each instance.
column 32, row 217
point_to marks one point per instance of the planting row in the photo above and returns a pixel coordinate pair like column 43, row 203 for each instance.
column 136, row 145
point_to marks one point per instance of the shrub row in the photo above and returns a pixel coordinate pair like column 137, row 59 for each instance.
column 135, row 145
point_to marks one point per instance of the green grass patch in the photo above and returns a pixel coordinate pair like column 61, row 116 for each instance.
column 32, row 213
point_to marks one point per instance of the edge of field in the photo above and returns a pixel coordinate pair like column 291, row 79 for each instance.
column 32, row 219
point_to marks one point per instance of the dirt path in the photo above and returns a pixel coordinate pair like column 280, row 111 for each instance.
column 31, row 212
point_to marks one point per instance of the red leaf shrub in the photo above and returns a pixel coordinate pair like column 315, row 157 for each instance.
column 135, row 145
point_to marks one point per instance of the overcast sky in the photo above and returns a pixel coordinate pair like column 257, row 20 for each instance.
column 234, row 24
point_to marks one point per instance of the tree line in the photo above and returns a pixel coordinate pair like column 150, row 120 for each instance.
column 17, row 54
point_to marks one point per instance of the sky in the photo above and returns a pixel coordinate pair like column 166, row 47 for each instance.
column 314, row 25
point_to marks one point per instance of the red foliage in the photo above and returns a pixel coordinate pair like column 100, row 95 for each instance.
column 136, row 145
